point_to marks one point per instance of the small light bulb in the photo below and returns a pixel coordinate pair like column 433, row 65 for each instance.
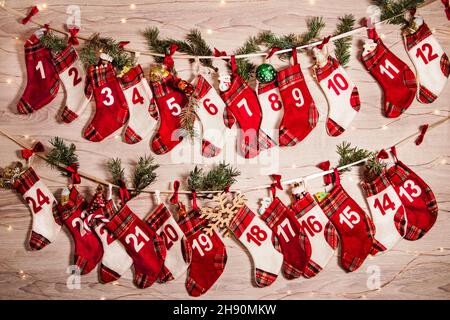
column 17, row 38
column 363, row 296
column 26, row 136
column 382, row 36
column 132, row 6
column 20, row 271
column 8, row 81
column 433, row 30
column 289, row 292
column 312, row 2
column 436, row 111
column 44, row 6
column 123, row 20
column 441, row 249
column 115, row 283
column 102, row 298
column 384, row 127
column 294, row 166
column 100, row 51
column 116, row 137
column 222, row 2
column 209, row 31
column 444, row 161
column 353, row 128
column 9, row 228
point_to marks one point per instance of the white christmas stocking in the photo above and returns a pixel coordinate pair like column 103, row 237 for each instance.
column 272, row 108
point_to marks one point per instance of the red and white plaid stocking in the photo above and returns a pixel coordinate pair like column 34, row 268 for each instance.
column 263, row 245
column 271, row 106
column 431, row 62
column 72, row 75
column 139, row 98
column 292, row 239
column 341, row 93
column 42, row 79
column 394, row 76
column 144, row 246
column 243, row 105
column 170, row 102
column 321, row 233
column 43, row 208
column 205, row 254
column 355, row 229
column 210, row 112
column 300, row 112
column 115, row 261
column 418, row 200
column 162, row 221
column 88, row 248
column 111, row 106
column 387, row 210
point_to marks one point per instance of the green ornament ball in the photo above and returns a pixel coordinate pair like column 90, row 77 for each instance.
column 266, row 73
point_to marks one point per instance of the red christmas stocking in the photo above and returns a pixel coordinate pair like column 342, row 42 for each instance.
column 88, row 248
column 115, row 261
column 170, row 102
column 354, row 227
column 394, row 76
column 42, row 79
column 300, row 112
column 139, row 98
column 341, row 93
column 144, row 246
column 271, row 106
column 321, row 233
column 418, row 200
column 293, row 241
column 111, row 107
column 388, row 212
column 205, row 253
column 162, row 221
column 257, row 237
column 72, row 75
column 210, row 112
column 43, row 208
column 243, row 105
column 430, row 60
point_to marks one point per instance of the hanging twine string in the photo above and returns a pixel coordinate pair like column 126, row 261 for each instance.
column 214, row 57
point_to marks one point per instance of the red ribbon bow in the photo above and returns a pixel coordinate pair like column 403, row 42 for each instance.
column 176, row 186
column 372, row 34
column 227, row 189
column 324, row 42
column 325, row 166
column 123, row 192
column 122, row 44
column 73, row 40
column 382, row 154
column 447, row 8
column 423, row 130
column 27, row 153
column 168, row 60
column 218, row 53
column 272, row 51
column 276, row 184
column 34, row 10
column 73, row 169
column 194, row 201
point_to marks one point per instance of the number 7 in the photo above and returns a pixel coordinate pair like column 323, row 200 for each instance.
column 243, row 103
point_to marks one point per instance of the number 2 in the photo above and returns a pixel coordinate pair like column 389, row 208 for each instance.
column 169, row 235
column 430, row 55
column 76, row 77
column 134, row 239
column 338, row 83
column 243, row 103
column 40, row 68
column 79, row 222
column 41, row 200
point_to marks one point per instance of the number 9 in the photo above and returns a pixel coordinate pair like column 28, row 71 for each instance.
column 298, row 96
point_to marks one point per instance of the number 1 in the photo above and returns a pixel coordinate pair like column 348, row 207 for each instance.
column 40, row 67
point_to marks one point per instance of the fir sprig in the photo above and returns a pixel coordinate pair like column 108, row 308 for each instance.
column 393, row 8
column 374, row 167
column 144, row 174
column 95, row 45
column 62, row 154
column 343, row 45
column 244, row 67
column 52, row 42
column 116, row 170
column 218, row 178
column 349, row 154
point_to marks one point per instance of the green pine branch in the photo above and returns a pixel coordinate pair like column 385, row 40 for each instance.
column 52, row 42
column 218, row 178
column 343, row 45
column 144, row 174
column 62, row 154
column 394, row 8
column 349, row 154
column 373, row 169
column 116, row 170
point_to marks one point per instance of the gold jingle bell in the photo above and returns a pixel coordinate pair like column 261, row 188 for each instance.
column 158, row 73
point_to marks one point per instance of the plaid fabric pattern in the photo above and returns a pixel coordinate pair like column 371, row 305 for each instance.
column 142, row 281
column 289, row 76
column 165, row 275
column 158, row 145
column 323, row 72
column 289, row 271
column 237, row 86
column 131, row 137
column 273, row 213
column 313, row 115
column 107, row 211
column 372, row 59
column 350, row 262
column 264, row 278
column 445, row 65
column 156, row 219
column 333, row 128
column 376, row 186
column 162, row 87
column 354, row 99
column 98, row 76
column 191, row 223
column 264, row 87
column 285, row 138
column 209, row 150
column 24, row 107
column 264, row 141
column 92, row 134
column 121, row 222
column 416, row 37
column 37, row 241
column 409, row 78
column 331, row 235
column 303, row 205
column 312, row 269
column 201, row 88
column 25, row 181
column 76, row 202
column 153, row 109
column 192, row 286
column 160, row 246
column 107, row 275
column 377, row 247
column 68, row 115
column 228, row 118
column 65, row 59
column 241, row 220
column 132, row 77
column 220, row 260
column 425, row 95
column 80, row 262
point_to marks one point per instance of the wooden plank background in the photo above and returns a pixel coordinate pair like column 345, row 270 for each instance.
column 419, row 270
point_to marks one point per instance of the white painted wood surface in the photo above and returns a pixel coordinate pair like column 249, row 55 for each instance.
column 418, row 270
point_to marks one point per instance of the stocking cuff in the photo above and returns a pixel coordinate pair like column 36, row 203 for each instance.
column 156, row 219
column 76, row 202
column 398, row 173
column 371, row 59
column 237, row 86
column 273, row 213
column 162, row 87
column 100, row 75
column 416, row 37
column 121, row 222
column 191, row 223
column 65, row 59
column 303, row 205
column 26, row 181
column 376, row 186
column 289, row 76
column 33, row 44
column 132, row 77
column 101, row 215
column 241, row 220
column 264, row 87
column 333, row 201
column 201, row 88
column 323, row 72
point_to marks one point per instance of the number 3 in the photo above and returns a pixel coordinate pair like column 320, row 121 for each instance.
column 109, row 99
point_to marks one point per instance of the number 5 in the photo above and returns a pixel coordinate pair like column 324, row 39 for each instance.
column 174, row 106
